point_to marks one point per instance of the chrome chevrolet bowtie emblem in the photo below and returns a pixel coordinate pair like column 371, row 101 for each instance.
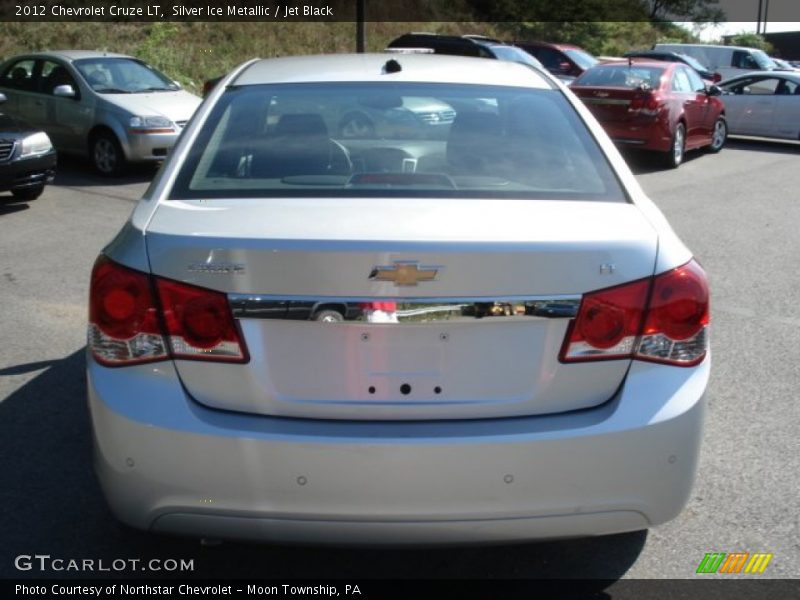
column 404, row 273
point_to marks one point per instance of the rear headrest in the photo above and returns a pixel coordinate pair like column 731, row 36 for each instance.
column 307, row 124
column 472, row 135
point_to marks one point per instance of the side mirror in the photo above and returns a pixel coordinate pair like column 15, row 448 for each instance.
column 716, row 78
column 2, row 98
column 64, row 91
column 713, row 90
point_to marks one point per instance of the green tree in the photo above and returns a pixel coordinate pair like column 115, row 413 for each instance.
column 690, row 10
column 751, row 40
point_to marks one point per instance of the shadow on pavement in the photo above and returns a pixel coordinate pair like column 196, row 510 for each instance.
column 76, row 171
column 52, row 505
column 762, row 145
column 9, row 204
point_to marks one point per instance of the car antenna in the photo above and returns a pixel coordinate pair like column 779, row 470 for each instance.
column 392, row 66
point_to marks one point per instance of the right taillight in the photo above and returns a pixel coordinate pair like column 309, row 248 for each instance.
column 676, row 328
column 136, row 318
column 662, row 319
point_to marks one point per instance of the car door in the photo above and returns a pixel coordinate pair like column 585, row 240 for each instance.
column 786, row 113
column 694, row 105
column 759, row 105
column 18, row 83
column 708, row 113
column 68, row 120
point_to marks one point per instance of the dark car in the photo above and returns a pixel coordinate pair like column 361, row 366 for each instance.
column 565, row 61
column 709, row 76
column 655, row 105
column 27, row 158
column 466, row 45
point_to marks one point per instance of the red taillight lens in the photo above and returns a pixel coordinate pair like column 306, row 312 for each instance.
column 607, row 324
column 123, row 317
column 125, row 321
column 647, row 104
column 199, row 323
column 619, row 322
column 675, row 331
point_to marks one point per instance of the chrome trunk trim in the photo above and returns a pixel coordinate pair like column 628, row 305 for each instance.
column 407, row 310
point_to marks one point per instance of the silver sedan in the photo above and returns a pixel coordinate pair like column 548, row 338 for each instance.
column 529, row 356
column 764, row 104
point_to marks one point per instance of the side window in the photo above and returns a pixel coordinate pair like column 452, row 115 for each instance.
column 19, row 76
column 53, row 75
column 696, row 81
column 680, row 81
column 744, row 60
column 549, row 58
column 788, row 87
column 763, row 87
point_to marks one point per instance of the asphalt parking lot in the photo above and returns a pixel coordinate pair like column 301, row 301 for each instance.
column 739, row 213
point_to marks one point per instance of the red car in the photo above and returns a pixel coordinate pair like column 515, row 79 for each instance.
column 655, row 105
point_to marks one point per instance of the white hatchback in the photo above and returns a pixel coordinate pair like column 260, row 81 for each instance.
column 521, row 346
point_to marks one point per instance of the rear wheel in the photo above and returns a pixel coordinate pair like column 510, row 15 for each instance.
column 329, row 316
column 718, row 135
column 674, row 157
column 106, row 153
column 28, row 194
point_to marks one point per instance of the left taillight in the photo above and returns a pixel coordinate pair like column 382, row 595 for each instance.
column 135, row 318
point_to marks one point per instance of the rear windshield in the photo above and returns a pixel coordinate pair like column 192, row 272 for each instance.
column 404, row 139
column 622, row 75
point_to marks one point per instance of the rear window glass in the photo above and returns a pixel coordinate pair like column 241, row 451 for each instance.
column 633, row 76
column 408, row 140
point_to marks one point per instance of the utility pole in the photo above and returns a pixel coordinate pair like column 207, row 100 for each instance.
column 361, row 30
column 758, row 17
column 766, row 16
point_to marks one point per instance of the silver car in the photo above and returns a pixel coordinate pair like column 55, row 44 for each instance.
column 763, row 103
column 529, row 361
column 109, row 107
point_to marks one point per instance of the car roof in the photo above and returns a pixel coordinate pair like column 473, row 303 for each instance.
column 421, row 68
column 661, row 64
column 779, row 74
column 71, row 55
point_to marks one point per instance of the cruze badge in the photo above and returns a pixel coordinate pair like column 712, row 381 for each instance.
column 217, row 268
column 404, row 273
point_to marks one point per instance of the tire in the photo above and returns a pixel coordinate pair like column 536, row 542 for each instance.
column 28, row 194
column 329, row 316
column 106, row 154
column 674, row 156
column 356, row 126
column 719, row 134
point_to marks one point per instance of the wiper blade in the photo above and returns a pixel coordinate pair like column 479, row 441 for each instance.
column 156, row 89
column 111, row 91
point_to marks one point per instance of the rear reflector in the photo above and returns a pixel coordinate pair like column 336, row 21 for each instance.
column 621, row 322
column 136, row 318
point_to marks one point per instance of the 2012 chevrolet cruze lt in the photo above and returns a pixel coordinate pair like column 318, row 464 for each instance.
column 530, row 351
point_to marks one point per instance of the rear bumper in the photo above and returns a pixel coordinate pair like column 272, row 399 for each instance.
column 167, row 464
column 20, row 174
column 643, row 134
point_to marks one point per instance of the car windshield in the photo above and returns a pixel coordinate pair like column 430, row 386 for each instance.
column 517, row 55
column 123, row 76
column 693, row 62
column 621, row 75
column 764, row 62
column 398, row 139
column 583, row 59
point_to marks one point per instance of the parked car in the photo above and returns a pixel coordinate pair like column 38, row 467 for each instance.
column 728, row 61
column 27, row 157
column 783, row 65
column 565, row 61
column 423, row 426
column 707, row 76
column 467, row 45
column 655, row 105
column 109, row 107
column 765, row 103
